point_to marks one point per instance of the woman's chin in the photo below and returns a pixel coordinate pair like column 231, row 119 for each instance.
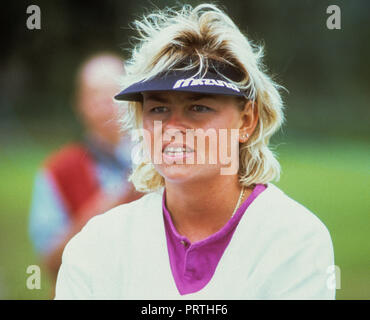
column 181, row 173
column 176, row 172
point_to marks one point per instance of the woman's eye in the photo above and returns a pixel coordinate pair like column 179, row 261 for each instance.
column 159, row 109
column 200, row 108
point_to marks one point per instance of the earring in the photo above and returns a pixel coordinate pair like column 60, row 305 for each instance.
column 245, row 136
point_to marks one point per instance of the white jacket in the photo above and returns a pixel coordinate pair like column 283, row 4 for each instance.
column 280, row 250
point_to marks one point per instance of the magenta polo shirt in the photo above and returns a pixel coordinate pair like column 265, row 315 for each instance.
column 193, row 264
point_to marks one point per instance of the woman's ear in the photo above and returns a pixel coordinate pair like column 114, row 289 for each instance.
column 249, row 120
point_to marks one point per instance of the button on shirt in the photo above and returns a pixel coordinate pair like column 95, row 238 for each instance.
column 193, row 264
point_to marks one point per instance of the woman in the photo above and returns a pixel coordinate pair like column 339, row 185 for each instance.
column 211, row 225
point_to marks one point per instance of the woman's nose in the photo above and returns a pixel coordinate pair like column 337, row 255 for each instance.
column 176, row 120
column 175, row 126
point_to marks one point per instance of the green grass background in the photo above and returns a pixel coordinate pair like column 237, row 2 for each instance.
column 329, row 177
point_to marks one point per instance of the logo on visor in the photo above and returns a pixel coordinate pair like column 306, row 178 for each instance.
column 183, row 83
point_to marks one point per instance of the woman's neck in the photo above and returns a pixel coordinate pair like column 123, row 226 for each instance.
column 201, row 208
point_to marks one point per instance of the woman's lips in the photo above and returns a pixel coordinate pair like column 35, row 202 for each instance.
column 174, row 152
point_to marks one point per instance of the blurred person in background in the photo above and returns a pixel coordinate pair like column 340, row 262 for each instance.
column 86, row 178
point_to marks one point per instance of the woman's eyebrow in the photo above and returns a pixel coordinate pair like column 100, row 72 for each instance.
column 156, row 97
column 199, row 96
column 162, row 99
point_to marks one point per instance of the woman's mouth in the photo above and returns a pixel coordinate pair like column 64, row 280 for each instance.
column 172, row 152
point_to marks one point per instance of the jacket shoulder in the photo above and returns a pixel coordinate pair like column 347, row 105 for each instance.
column 119, row 220
column 290, row 215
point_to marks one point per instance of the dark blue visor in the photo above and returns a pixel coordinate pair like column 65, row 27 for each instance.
column 181, row 81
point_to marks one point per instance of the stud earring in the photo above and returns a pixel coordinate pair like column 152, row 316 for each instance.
column 245, row 136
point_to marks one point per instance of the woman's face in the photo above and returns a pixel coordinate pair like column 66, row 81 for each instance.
column 192, row 136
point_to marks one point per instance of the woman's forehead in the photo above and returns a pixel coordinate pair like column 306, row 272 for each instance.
column 168, row 96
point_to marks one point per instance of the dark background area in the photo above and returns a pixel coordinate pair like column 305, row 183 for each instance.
column 325, row 71
column 324, row 146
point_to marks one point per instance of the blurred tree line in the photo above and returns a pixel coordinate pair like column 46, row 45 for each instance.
column 325, row 71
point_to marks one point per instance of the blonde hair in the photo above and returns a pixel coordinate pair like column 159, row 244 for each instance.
column 200, row 35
